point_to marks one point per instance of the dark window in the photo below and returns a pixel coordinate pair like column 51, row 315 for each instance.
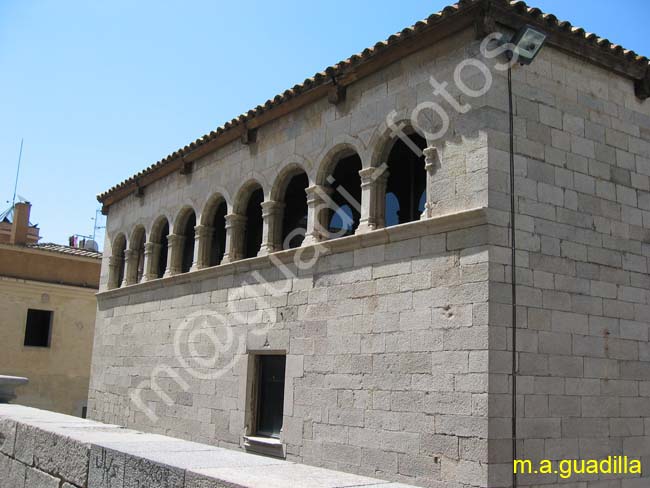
column 162, row 258
column 406, row 189
column 253, row 239
column 270, row 389
column 295, row 212
column 140, row 257
column 37, row 330
column 188, row 243
column 219, row 237
column 346, row 183
column 118, row 251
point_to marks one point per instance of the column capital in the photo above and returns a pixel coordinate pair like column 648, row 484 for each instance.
column 270, row 207
column 318, row 189
column 151, row 247
column 173, row 239
column 130, row 254
column 431, row 159
column 373, row 173
column 203, row 231
column 317, row 193
column 235, row 220
column 371, row 176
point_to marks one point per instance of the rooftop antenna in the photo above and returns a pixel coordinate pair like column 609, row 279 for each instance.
column 96, row 225
column 20, row 156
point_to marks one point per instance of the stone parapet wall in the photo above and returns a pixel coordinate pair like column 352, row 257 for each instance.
column 386, row 369
column 41, row 449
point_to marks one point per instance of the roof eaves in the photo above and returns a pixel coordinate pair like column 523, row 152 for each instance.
column 67, row 250
column 509, row 13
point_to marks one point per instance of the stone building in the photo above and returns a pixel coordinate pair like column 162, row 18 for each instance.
column 47, row 315
column 379, row 338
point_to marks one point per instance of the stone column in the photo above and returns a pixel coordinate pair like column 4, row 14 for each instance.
column 272, row 213
column 151, row 259
column 431, row 163
column 373, row 190
column 235, row 225
column 174, row 254
column 202, row 240
column 114, row 265
column 131, row 271
column 380, row 199
column 317, row 196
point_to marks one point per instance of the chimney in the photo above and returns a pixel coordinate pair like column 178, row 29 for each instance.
column 20, row 224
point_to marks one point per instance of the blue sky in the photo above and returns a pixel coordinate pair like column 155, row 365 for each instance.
column 100, row 90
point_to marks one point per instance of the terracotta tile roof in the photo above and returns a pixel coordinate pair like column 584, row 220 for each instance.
column 72, row 251
column 504, row 11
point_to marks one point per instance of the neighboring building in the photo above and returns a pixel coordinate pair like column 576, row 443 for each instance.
column 390, row 356
column 47, row 315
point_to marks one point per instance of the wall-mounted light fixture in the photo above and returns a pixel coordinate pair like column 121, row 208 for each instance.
column 526, row 44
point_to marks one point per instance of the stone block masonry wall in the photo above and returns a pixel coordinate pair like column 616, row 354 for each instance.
column 386, row 363
column 386, row 336
column 582, row 143
column 398, row 341
column 41, row 449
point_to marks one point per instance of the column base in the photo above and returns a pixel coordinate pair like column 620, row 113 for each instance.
column 365, row 227
column 171, row 272
column 426, row 214
column 311, row 239
column 266, row 250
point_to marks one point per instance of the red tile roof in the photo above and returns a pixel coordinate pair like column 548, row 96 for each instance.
column 72, row 251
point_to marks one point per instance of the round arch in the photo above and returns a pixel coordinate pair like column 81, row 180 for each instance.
column 343, row 147
column 283, row 178
column 138, row 236
column 158, row 239
column 211, row 205
column 387, row 135
column 116, row 263
column 212, row 243
column 181, row 219
column 243, row 194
